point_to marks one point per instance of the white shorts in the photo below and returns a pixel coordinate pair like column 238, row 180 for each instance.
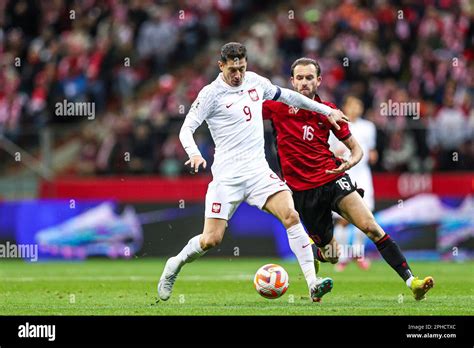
column 224, row 197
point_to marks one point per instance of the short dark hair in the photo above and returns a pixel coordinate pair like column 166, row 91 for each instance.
column 306, row 61
column 233, row 50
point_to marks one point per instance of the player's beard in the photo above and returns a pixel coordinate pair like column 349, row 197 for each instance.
column 310, row 93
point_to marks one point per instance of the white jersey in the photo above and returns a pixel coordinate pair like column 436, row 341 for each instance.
column 234, row 118
column 365, row 133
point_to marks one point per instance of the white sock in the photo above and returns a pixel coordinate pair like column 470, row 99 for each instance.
column 191, row 251
column 341, row 233
column 409, row 280
column 300, row 244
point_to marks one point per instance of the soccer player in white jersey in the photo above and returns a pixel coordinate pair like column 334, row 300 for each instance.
column 232, row 107
column 365, row 133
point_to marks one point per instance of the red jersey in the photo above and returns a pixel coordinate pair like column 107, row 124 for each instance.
column 302, row 143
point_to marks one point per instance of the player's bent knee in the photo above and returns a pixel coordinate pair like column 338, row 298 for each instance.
column 291, row 218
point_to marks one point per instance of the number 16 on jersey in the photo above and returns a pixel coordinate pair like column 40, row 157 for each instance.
column 308, row 133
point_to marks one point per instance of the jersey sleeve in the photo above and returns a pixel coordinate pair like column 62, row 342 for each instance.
column 270, row 91
column 201, row 108
column 199, row 111
column 343, row 133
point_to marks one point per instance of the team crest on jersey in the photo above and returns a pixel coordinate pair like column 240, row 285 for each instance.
column 216, row 208
column 253, row 94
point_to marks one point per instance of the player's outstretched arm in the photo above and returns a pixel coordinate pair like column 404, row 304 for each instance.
column 298, row 100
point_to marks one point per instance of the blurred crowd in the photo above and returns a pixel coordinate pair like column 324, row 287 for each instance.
column 96, row 51
column 381, row 51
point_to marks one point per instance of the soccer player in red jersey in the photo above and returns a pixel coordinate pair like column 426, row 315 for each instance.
column 231, row 106
column 318, row 179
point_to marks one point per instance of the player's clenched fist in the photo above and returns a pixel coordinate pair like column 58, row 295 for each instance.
column 337, row 116
column 195, row 162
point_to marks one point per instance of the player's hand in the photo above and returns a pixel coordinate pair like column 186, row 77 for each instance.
column 345, row 166
column 195, row 162
column 337, row 116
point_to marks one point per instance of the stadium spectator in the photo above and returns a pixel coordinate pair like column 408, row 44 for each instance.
column 151, row 59
column 87, row 161
column 448, row 132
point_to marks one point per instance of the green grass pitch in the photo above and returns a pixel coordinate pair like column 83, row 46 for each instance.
column 213, row 286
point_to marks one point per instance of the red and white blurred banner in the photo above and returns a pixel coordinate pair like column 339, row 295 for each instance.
column 153, row 189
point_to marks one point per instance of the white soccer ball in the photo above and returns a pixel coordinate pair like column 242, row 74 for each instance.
column 271, row 281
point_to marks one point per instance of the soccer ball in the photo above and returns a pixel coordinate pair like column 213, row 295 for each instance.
column 271, row 281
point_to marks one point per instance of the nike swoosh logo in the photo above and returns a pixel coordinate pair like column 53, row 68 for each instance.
column 228, row 106
column 304, row 246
